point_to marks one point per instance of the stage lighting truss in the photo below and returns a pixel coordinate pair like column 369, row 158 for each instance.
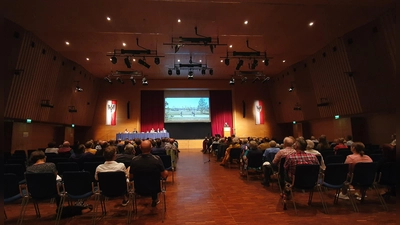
column 142, row 53
column 253, row 57
column 121, row 76
column 191, row 67
column 178, row 42
column 253, row 76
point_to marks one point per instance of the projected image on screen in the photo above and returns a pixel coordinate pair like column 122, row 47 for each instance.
column 187, row 110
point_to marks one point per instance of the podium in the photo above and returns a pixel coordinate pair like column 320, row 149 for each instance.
column 227, row 132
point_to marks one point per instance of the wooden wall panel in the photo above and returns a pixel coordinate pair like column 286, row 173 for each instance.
column 31, row 136
column 47, row 75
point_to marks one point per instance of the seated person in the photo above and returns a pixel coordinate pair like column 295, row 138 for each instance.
column 152, row 130
column 51, row 148
column 89, row 148
column 127, row 155
column 340, row 145
column 126, row 131
column 158, row 149
column 310, row 146
column 253, row 148
column 272, row 149
column 235, row 144
column 110, row 165
column 65, row 148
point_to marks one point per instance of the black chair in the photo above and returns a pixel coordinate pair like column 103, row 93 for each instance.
column 214, row 148
column 334, row 159
column 167, row 162
column 269, row 157
column 91, row 168
column 387, row 175
column 334, row 177
column 42, row 186
column 281, row 174
column 234, row 156
column 66, row 166
column 221, row 151
column 364, row 177
column 254, row 164
column 305, row 178
column 12, row 191
column 78, row 185
column 17, row 169
column 146, row 183
column 376, row 157
column 16, row 160
column 111, row 185
column 19, row 154
column 344, row 152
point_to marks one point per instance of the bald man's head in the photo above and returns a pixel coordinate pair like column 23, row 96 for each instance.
column 145, row 146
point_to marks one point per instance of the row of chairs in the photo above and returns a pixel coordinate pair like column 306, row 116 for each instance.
column 336, row 176
column 77, row 185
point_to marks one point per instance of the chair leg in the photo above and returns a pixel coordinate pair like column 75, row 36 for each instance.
column 381, row 199
column 24, row 203
column 324, row 205
column 352, row 201
column 59, row 209
column 310, row 196
column 35, row 204
column 293, row 200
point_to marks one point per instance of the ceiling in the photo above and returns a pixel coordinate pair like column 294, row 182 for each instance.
column 280, row 28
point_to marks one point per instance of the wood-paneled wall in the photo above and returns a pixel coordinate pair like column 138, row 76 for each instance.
column 40, row 73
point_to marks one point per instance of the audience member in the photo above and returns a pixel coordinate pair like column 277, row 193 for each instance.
column 158, row 149
column 172, row 150
column 147, row 162
column 253, row 149
column 65, row 148
column 127, row 155
column 264, row 144
column 235, row 144
column 51, row 148
column 89, row 148
column 110, row 165
column 340, row 145
column 393, row 143
column 388, row 156
column 270, row 151
column 323, row 143
column 310, row 146
column 349, row 140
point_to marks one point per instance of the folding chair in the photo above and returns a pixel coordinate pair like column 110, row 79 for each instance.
column 146, row 183
column 78, row 185
column 167, row 162
column 17, row 169
column 111, row 185
column 234, row 155
column 12, row 191
column 334, row 177
column 66, row 166
column 254, row 164
column 364, row 177
column 305, row 178
column 39, row 187
column 387, row 175
column 334, row 159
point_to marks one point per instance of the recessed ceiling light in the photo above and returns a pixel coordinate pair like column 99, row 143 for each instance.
column 108, row 18
column 179, row 60
column 134, row 60
column 230, row 46
column 263, row 60
column 179, row 20
column 200, row 60
column 310, row 24
column 110, row 59
column 222, row 60
column 283, row 60
column 67, row 43
column 124, row 44
column 87, row 59
column 246, row 22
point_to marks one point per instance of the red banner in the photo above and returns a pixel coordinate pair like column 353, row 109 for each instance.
column 111, row 117
column 258, row 112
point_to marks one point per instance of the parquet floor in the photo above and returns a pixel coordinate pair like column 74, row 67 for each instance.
column 206, row 193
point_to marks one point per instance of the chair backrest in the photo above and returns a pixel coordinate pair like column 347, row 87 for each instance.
column 375, row 157
column 166, row 159
column 319, row 157
column 281, row 168
column 147, row 182
column 214, row 146
column 41, row 185
column 336, row 173
column 306, row 176
column 91, row 168
column 388, row 174
column 344, row 152
column 255, row 160
column 334, row 159
column 270, row 156
column 364, row 174
column 67, row 166
column 77, row 182
column 112, row 184
column 11, row 186
column 235, row 153
column 19, row 153
column 16, row 169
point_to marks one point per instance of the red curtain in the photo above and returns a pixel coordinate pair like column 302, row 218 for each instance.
column 220, row 110
column 152, row 110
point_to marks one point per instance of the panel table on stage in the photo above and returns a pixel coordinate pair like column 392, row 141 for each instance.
column 141, row 136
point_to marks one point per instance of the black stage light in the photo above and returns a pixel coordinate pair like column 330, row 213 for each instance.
column 226, row 61
column 157, row 60
column 211, row 71
column 143, row 63
column 240, row 64
column 203, row 71
column 108, row 80
column 232, row 81
column 144, row 81
column 120, row 80
column 78, row 89
column 254, row 64
column 266, row 62
column 133, row 80
column 169, row 72
column 291, row 88
column 178, row 72
column 127, row 62
column 114, row 60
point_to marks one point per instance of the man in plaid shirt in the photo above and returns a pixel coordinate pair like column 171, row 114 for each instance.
column 299, row 158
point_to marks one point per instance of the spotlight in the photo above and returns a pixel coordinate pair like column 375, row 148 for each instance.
column 254, row 64
column 143, row 63
column 190, row 75
column 211, row 71
column 144, row 81
column 169, row 72
column 244, row 80
column 232, row 81
column 240, row 64
column 108, row 80
column 157, row 60
column 291, row 88
column 266, row 62
column 114, row 60
column 255, row 79
column 133, row 80
column 265, row 80
column 78, row 89
column 127, row 62
column 120, row 80
column 226, row 61
column 203, row 71
column 178, row 72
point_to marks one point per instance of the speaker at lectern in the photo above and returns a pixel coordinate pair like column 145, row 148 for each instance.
column 227, row 131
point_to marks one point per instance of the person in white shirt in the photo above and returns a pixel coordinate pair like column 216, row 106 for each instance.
column 51, row 148
column 110, row 165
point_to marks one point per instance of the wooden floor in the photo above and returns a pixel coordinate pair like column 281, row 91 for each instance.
column 207, row 193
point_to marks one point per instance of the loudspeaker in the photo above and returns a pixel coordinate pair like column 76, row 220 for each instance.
column 128, row 114
column 244, row 109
